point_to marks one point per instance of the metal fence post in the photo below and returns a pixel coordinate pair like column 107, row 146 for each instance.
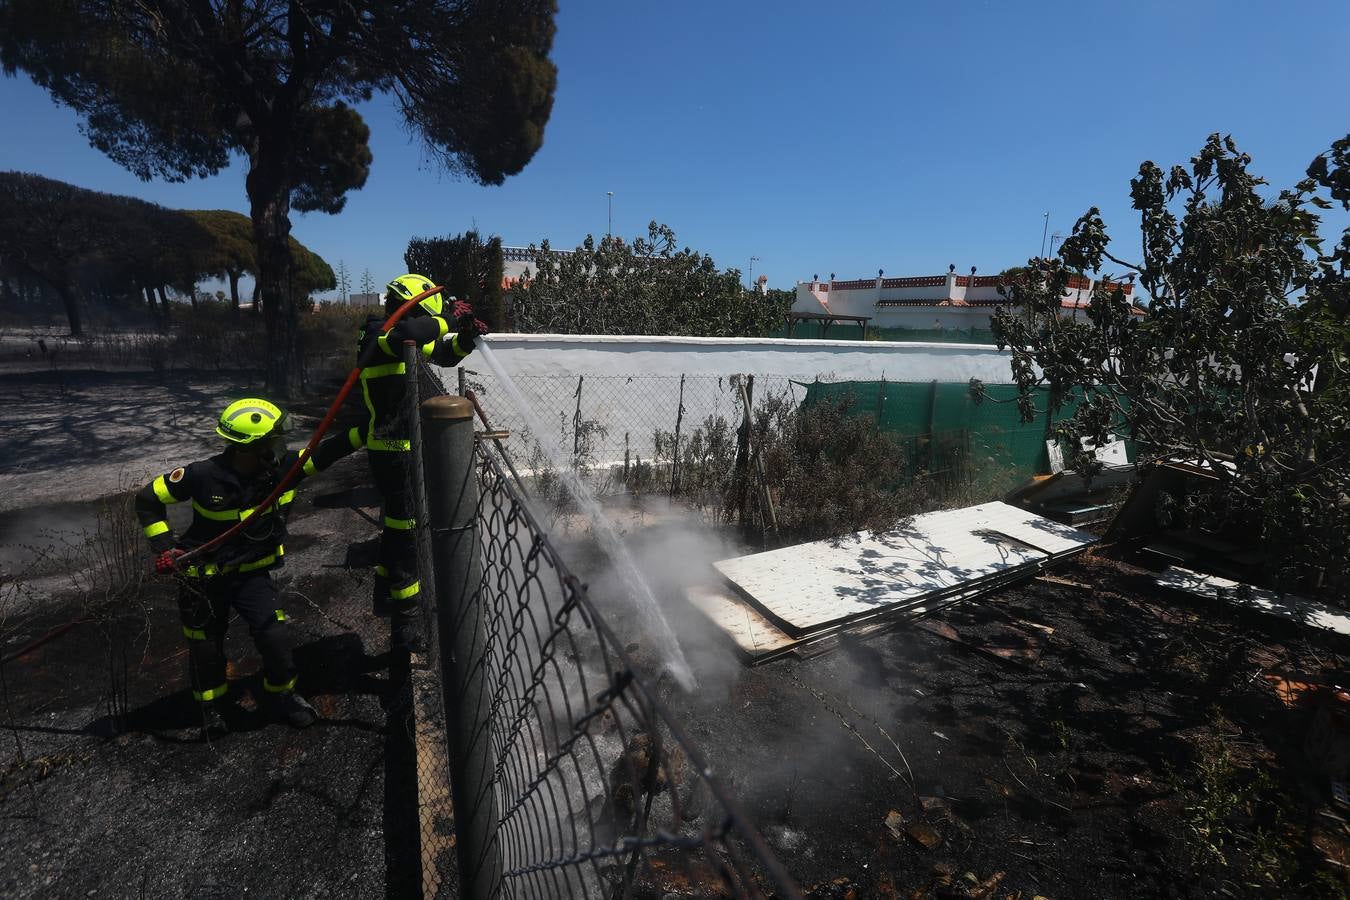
column 452, row 493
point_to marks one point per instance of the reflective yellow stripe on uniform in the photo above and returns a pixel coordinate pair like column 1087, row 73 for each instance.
column 161, row 488
column 212, row 569
column 397, row 368
column 284, row 499
column 454, row 345
column 155, row 529
column 383, row 341
column 194, row 634
column 381, row 571
column 388, row 444
column 215, row 515
column 442, row 327
column 279, row 688
column 428, row 349
column 411, row 590
column 281, row 614
column 354, row 438
column 399, row 524
column 211, row 693
column 267, row 560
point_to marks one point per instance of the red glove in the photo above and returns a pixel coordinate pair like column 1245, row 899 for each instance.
column 167, row 562
column 464, row 318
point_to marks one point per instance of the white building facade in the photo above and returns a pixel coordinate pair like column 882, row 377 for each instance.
column 924, row 302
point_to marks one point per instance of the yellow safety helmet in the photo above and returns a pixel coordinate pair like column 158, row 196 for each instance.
column 252, row 419
column 405, row 287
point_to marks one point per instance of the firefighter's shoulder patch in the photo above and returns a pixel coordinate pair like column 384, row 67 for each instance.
column 177, row 474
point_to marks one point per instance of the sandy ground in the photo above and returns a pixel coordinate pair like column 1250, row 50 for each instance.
column 70, row 436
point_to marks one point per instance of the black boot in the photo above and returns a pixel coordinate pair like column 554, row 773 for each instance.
column 405, row 631
column 295, row 709
column 379, row 597
column 213, row 722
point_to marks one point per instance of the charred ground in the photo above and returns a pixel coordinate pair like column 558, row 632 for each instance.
column 1083, row 737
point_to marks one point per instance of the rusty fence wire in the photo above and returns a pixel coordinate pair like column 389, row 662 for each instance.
column 579, row 782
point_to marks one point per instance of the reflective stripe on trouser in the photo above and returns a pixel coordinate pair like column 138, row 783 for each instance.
column 205, row 610
column 398, row 543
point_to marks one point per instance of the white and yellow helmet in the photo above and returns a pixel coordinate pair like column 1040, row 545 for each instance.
column 405, row 287
column 252, row 419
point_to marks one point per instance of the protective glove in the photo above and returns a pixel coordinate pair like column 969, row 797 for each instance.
column 166, row 563
column 470, row 328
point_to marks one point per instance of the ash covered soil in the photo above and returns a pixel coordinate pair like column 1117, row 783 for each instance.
column 106, row 786
column 1083, row 737
column 1089, row 737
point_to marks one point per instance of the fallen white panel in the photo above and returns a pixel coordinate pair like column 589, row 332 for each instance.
column 1044, row 534
column 809, row 586
column 1288, row 606
column 761, row 641
column 753, row 633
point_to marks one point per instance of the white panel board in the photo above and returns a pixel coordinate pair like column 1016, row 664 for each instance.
column 809, row 586
column 1287, row 606
column 753, row 633
column 1038, row 531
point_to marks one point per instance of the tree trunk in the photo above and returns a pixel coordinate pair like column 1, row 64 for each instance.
column 234, row 290
column 269, row 194
column 163, row 302
column 72, row 304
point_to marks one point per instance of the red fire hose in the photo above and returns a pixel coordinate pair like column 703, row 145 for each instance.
column 309, row 448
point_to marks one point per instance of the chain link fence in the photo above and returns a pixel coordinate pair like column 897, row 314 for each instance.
column 572, row 778
column 669, row 433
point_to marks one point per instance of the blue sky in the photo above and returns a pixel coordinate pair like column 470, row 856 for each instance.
column 822, row 138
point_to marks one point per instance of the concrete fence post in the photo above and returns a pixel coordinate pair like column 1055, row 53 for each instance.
column 452, row 495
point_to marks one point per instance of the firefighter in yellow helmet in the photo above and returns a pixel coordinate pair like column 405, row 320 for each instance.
column 386, row 432
column 236, row 575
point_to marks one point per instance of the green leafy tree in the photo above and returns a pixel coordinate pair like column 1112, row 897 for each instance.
column 232, row 255
column 312, row 274
column 172, row 90
column 644, row 287
column 1239, row 362
column 468, row 267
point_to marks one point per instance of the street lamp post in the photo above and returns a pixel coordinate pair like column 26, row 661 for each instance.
column 609, row 232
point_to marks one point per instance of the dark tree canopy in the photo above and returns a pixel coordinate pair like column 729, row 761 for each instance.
column 87, row 245
column 75, row 240
column 172, row 90
column 468, row 267
column 232, row 253
column 644, row 287
column 1241, row 360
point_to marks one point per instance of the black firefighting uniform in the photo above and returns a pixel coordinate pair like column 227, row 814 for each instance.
column 387, row 441
column 238, row 573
